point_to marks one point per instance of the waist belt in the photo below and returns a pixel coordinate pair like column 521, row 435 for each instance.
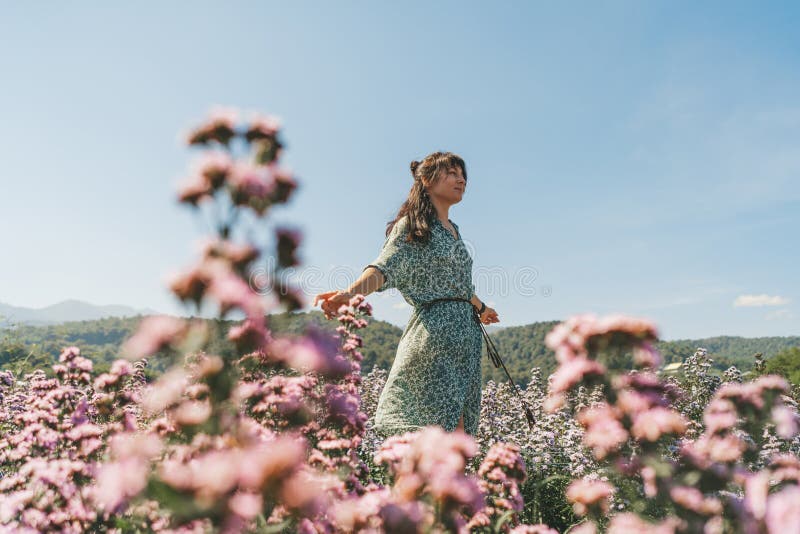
column 491, row 351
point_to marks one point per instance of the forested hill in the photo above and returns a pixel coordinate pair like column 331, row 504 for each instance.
column 27, row 347
column 521, row 347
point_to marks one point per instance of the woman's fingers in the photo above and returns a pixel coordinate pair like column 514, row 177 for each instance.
column 323, row 297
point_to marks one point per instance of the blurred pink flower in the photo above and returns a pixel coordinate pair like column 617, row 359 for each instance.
column 586, row 494
column 720, row 416
column 246, row 505
column 646, row 355
column 213, row 167
column 249, row 335
column 239, row 255
column 569, row 338
column 534, row 529
column 656, row 422
column 630, row 523
column 571, row 373
column 166, row 391
column 315, row 351
column 192, row 413
column 785, row 419
column 756, row 489
column 220, row 126
column 783, row 511
column 604, row 432
column 154, row 333
column 194, row 189
column 694, row 500
column 260, row 126
column 357, row 513
column 249, row 181
column 267, row 465
column 231, row 291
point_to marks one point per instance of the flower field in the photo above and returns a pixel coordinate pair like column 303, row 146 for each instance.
column 279, row 439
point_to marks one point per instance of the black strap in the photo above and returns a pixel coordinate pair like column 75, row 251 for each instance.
column 491, row 352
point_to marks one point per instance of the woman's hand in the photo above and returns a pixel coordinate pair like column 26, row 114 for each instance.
column 489, row 316
column 332, row 301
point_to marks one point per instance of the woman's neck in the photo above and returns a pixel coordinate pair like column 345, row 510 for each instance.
column 442, row 210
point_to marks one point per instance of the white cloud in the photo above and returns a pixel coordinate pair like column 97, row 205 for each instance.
column 759, row 300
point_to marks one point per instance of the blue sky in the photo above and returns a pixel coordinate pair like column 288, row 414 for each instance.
column 630, row 157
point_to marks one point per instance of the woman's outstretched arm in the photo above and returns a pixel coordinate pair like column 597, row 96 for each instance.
column 370, row 279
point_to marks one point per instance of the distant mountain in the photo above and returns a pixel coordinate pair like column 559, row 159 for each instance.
column 67, row 310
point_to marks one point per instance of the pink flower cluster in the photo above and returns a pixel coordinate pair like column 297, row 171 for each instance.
column 501, row 474
column 637, row 416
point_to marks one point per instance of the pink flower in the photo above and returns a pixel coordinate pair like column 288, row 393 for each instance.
column 785, row 419
column 785, row 466
column 646, row 355
column 656, row 422
column 192, row 413
column 633, row 402
column 308, row 491
column 344, row 408
column 316, row 351
column 231, row 291
column 251, row 334
column 694, row 500
column 404, row 516
column 213, row 167
column 586, row 494
column 246, row 505
column 120, row 481
column 154, row 333
column 193, row 190
column 772, row 383
column 262, row 126
column 569, row 339
column 357, row 513
column 250, row 182
column 285, row 184
column 534, row 529
column 238, row 255
column 166, row 391
column 756, row 489
column 266, row 465
column 604, row 432
column 573, row 372
column 649, row 481
column 629, row 523
column 220, row 126
column 714, row 448
column 720, row 415
column 783, row 512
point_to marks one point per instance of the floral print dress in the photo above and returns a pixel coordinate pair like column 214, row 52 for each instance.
column 436, row 374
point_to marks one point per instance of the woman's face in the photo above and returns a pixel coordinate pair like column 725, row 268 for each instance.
column 450, row 187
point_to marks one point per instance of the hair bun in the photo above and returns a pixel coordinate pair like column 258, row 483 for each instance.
column 414, row 166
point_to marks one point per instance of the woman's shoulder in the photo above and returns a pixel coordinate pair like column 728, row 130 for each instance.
column 401, row 224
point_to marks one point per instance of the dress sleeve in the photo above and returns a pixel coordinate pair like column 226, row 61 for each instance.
column 395, row 258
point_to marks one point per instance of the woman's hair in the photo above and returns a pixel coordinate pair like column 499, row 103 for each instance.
column 418, row 205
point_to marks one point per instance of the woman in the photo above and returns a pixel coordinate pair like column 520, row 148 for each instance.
column 436, row 375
